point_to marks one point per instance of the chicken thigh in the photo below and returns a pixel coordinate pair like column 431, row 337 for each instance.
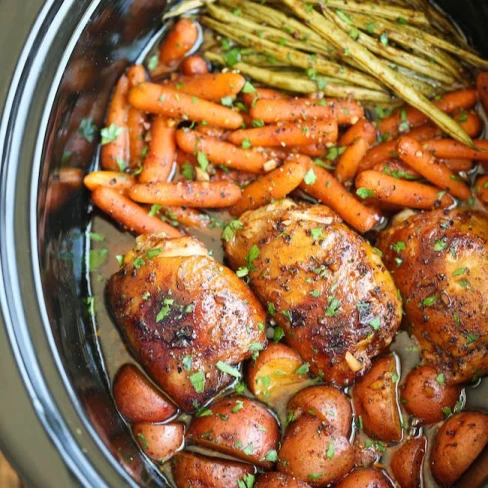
column 324, row 284
column 440, row 265
column 186, row 317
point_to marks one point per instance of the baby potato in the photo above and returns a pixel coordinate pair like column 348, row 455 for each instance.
column 327, row 403
column 425, row 394
column 279, row 480
column 366, row 478
column 375, row 400
column 273, row 373
column 314, row 452
column 457, row 444
column 137, row 399
column 406, row 462
column 159, row 442
column 240, row 427
column 194, row 470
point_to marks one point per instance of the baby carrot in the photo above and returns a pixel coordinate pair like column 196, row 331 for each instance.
column 159, row 161
column 362, row 128
column 470, row 122
column 161, row 100
column 481, row 188
column 450, row 149
column 424, row 163
column 121, row 182
column 263, row 94
column 114, row 153
column 289, row 133
column 129, row 214
column 212, row 131
column 273, row 186
column 344, row 111
column 349, row 161
column 330, row 192
column 449, row 103
column 186, row 216
column 386, row 150
column 482, row 87
column 457, row 165
column 201, row 194
column 401, row 192
column 209, row 86
column 136, row 119
column 180, row 39
column 220, row 152
column 397, row 169
column 194, row 65
column 313, row 150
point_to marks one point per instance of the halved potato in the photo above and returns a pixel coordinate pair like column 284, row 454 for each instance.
column 375, row 399
column 137, row 399
column 327, row 403
column 425, row 394
column 406, row 462
column 159, row 442
column 314, row 452
column 191, row 470
column 277, row 372
column 279, row 480
column 366, row 478
column 240, row 427
column 457, row 444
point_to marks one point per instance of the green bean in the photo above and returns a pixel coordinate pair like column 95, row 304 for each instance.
column 183, row 8
column 294, row 82
column 373, row 8
column 295, row 58
column 398, row 56
column 370, row 63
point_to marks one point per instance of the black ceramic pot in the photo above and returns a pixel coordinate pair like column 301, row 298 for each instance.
column 59, row 60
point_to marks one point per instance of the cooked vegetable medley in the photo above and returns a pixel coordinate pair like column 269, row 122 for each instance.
column 337, row 149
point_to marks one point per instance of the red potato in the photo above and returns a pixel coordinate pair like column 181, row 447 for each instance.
column 406, row 463
column 279, row 480
column 276, row 369
column 180, row 39
column 239, row 427
column 192, row 470
column 159, row 442
column 209, row 86
column 193, row 65
column 425, row 395
column 137, row 399
column 457, row 444
column 366, row 478
column 375, row 399
column 326, row 403
column 314, row 452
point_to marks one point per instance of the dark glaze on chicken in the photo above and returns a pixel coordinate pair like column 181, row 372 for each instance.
column 331, row 294
column 440, row 265
column 181, row 313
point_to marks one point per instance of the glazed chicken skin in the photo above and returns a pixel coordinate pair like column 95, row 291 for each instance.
column 440, row 265
column 325, row 285
column 181, row 313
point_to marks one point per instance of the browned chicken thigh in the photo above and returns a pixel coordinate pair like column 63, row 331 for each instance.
column 185, row 316
column 440, row 265
column 325, row 285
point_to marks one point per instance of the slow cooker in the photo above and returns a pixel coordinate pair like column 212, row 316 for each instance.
column 59, row 60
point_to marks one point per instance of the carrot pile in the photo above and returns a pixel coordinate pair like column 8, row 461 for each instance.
column 189, row 141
